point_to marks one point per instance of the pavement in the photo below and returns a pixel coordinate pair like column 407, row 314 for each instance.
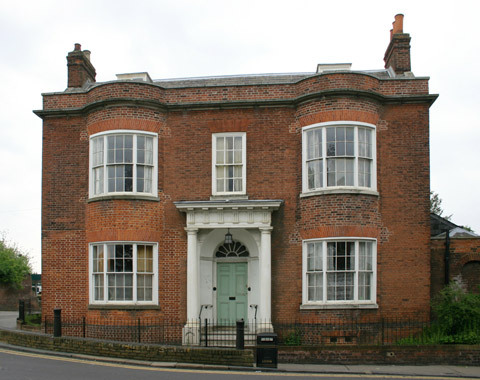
column 8, row 321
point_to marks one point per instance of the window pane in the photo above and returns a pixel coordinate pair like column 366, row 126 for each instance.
column 148, row 179
column 350, row 133
column 349, row 149
column 119, row 155
column 140, row 156
column 98, row 283
column 238, row 143
column 238, row 156
column 314, row 174
column 128, row 184
column 140, row 142
column 315, row 286
column 314, row 144
column 364, row 287
column 97, row 151
column 128, row 171
column 141, row 258
column 340, row 133
column 229, row 184
column 119, row 142
column 98, row 180
column 110, row 149
column 149, row 150
column 237, row 171
column 220, row 157
column 220, row 170
column 128, row 155
column 330, row 134
column 237, row 185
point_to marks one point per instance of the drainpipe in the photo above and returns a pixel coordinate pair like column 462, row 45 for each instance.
column 447, row 257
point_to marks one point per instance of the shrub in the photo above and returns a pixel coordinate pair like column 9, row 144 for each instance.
column 456, row 311
column 456, row 319
column 13, row 265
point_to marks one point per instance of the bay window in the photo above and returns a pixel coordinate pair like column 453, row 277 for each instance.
column 339, row 155
column 339, row 271
column 123, row 162
column 123, row 273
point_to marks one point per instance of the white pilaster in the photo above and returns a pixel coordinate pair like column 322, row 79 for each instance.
column 192, row 275
column 265, row 264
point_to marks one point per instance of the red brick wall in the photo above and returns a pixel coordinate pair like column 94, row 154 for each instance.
column 398, row 218
column 464, row 263
column 10, row 296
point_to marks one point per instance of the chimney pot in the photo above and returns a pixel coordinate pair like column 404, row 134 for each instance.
column 398, row 24
column 397, row 55
column 78, row 47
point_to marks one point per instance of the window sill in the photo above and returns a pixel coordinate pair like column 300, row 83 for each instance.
column 138, row 197
column 340, row 190
column 338, row 306
column 122, row 307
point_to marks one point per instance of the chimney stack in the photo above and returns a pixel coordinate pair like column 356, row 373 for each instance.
column 80, row 69
column 397, row 55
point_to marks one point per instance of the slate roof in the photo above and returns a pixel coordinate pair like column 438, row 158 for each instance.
column 249, row 80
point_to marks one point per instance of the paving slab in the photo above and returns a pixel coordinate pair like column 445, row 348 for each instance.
column 400, row 370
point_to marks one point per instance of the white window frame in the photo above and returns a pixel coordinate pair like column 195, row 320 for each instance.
column 243, row 135
column 153, row 193
column 134, row 301
column 329, row 189
column 325, row 303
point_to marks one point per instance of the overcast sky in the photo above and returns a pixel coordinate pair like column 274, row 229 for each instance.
column 171, row 39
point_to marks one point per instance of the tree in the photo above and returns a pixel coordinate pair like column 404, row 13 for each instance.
column 13, row 265
column 436, row 205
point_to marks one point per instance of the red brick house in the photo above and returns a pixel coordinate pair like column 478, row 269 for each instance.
column 320, row 179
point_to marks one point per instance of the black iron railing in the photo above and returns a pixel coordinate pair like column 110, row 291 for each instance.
column 213, row 333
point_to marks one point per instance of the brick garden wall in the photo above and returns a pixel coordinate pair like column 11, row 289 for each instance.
column 156, row 353
column 391, row 355
column 9, row 296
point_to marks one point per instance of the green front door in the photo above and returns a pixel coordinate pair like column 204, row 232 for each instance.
column 231, row 292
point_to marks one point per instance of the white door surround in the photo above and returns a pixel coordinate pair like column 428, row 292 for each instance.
column 249, row 222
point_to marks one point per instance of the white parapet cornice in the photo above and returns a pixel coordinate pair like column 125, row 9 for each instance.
column 229, row 213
